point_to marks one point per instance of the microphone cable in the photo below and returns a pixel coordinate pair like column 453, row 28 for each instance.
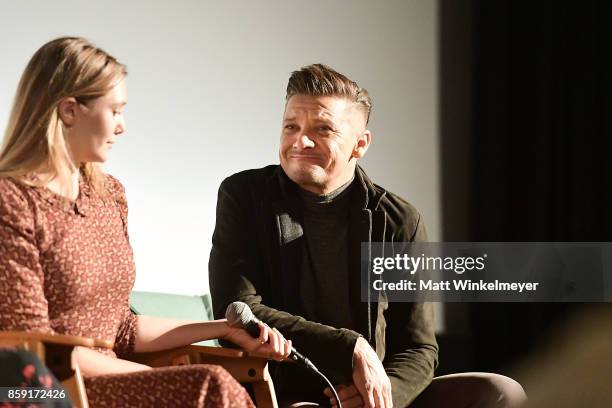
column 316, row 370
column 239, row 314
column 311, row 367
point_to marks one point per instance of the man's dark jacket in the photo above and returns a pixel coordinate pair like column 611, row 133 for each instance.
column 256, row 258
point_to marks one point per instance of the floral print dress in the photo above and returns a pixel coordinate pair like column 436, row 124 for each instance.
column 68, row 268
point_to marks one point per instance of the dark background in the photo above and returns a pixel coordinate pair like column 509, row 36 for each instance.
column 525, row 113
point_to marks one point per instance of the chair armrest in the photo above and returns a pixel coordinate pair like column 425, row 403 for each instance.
column 64, row 339
column 244, row 367
column 55, row 350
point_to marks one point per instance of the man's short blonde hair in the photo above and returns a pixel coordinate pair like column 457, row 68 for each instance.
column 321, row 80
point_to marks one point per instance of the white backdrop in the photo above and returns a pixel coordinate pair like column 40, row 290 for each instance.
column 206, row 92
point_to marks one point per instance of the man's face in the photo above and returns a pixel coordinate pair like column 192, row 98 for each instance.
column 321, row 140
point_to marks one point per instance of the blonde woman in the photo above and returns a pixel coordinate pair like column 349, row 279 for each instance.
column 66, row 264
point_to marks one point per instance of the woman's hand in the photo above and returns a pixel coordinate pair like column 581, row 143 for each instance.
column 270, row 343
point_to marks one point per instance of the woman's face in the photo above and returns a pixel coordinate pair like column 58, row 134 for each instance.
column 95, row 125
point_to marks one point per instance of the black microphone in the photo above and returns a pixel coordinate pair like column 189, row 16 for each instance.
column 239, row 314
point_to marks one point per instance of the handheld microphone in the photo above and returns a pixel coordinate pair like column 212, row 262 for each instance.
column 239, row 314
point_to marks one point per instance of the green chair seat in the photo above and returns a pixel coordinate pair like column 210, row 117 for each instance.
column 174, row 306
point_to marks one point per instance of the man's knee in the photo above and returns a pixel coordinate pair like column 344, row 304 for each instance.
column 500, row 391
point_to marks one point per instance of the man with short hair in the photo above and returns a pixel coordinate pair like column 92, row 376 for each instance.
column 287, row 242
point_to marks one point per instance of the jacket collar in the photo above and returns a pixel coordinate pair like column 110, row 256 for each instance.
column 371, row 193
column 285, row 192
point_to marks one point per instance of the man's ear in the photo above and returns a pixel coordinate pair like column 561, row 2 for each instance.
column 363, row 143
column 67, row 110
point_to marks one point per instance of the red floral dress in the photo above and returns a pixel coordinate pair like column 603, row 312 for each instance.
column 68, row 268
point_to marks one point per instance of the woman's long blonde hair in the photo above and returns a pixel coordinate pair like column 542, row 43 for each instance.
column 34, row 141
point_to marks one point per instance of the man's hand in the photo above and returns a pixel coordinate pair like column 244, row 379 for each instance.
column 348, row 394
column 370, row 378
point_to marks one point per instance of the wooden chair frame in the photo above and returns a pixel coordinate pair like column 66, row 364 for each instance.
column 56, row 352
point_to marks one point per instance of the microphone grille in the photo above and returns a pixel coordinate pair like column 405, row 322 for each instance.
column 238, row 314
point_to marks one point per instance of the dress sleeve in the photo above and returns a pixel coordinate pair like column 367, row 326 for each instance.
column 126, row 335
column 23, row 305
